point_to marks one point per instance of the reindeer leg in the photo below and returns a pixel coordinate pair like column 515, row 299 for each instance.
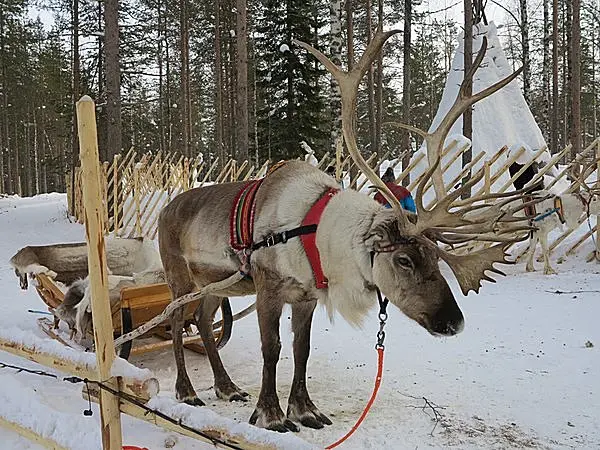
column 204, row 316
column 548, row 270
column 531, row 252
column 183, row 386
column 300, row 406
column 268, row 413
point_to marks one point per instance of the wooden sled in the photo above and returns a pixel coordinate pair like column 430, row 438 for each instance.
column 137, row 304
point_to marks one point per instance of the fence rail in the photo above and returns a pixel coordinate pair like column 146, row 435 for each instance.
column 136, row 187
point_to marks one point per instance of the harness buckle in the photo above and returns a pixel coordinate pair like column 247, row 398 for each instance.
column 270, row 240
column 284, row 237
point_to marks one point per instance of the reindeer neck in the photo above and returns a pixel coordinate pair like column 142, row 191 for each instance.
column 345, row 257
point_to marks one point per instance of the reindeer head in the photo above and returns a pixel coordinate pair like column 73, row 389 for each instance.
column 406, row 251
column 406, row 270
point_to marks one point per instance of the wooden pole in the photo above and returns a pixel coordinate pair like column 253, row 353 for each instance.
column 116, row 183
column 136, row 199
column 597, row 249
column 101, row 314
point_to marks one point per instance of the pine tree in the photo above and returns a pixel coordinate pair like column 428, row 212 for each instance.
column 290, row 94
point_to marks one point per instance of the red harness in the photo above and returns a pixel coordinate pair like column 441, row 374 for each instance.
column 309, row 241
column 241, row 227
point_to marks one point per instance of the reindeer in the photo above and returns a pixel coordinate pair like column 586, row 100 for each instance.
column 361, row 248
column 553, row 211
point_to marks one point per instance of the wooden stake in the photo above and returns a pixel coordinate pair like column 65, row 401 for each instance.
column 101, row 314
column 597, row 249
column 136, row 199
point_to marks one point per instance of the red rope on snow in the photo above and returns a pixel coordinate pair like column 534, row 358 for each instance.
column 369, row 404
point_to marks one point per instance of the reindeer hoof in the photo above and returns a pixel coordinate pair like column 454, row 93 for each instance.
column 231, row 392
column 185, row 393
column 530, row 269
column 193, row 401
column 308, row 415
column 272, row 419
column 549, row 272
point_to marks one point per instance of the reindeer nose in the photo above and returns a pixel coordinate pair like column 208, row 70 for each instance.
column 449, row 320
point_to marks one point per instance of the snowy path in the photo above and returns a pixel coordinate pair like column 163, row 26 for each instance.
column 520, row 375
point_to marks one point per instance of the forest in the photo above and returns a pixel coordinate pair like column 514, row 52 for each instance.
column 223, row 79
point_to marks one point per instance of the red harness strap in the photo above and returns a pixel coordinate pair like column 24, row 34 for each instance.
column 241, row 218
column 309, row 241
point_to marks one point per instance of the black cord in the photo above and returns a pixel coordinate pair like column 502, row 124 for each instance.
column 122, row 396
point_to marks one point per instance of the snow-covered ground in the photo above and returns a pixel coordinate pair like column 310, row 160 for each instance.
column 523, row 374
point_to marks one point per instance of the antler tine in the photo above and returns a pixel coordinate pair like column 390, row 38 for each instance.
column 586, row 171
column 348, row 83
column 440, row 214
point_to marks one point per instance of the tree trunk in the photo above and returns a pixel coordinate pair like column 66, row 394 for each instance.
column 575, row 128
column 113, row 79
column 405, row 146
column 241, row 122
column 379, row 86
column 554, row 126
column 568, row 78
column 525, row 50
column 370, row 83
column 161, row 82
column 76, row 93
column 184, row 53
column 335, row 50
column 468, row 64
column 218, row 86
column 4, row 165
column 546, row 69
column 350, row 33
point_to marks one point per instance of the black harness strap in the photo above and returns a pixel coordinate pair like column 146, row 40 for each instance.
column 283, row 236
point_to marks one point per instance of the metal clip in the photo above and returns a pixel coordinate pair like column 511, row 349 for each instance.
column 270, row 240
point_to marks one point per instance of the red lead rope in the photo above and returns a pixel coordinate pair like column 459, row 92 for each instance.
column 383, row 302
column 369, row 404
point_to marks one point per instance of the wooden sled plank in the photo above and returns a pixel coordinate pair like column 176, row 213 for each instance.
column 47, row 326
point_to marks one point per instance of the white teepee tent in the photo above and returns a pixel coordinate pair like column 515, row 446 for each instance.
column 502, row 119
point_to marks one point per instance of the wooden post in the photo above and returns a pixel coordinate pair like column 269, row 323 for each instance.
column 101, row 314
column 487, row 177
column 116, row 184
column 104, row 180
column 136, row 199
column 598, row 216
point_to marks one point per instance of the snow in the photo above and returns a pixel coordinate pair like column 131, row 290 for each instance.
column 520, row 375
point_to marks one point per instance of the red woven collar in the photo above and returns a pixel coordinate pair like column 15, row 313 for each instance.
column 309, row 241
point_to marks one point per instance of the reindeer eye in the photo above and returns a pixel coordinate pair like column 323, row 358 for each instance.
column 403, row 261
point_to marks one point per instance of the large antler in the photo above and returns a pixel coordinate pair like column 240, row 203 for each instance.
column 435, row 140
column 443, row 222
column 348, row 82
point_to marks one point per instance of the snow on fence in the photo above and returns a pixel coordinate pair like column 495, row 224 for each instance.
column 136, row 187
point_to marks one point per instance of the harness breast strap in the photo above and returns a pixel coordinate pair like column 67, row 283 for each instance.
column 309, row 241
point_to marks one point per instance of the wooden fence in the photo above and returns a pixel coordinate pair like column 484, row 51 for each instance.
column 136, row 187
